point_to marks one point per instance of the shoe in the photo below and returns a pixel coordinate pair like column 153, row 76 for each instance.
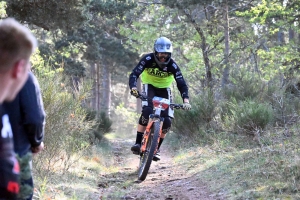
column 136, row 149
column 156, row 157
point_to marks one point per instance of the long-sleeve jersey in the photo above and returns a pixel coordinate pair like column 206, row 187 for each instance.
column 27, row 117
column 152, row 74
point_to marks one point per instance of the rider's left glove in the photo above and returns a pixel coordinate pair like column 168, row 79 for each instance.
column 187, row 106
column 134, row 92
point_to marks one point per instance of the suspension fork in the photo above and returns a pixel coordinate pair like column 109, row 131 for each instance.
column 152, row 119
column 160, row 132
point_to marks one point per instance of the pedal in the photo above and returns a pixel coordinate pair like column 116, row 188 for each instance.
column 136, row 152
column 155, row 159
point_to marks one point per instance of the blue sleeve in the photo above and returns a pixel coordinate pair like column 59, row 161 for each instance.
column 181, row 84
column 138, row 70
column 32, row 109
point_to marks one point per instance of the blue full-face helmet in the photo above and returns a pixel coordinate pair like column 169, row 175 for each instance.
column 163, row 45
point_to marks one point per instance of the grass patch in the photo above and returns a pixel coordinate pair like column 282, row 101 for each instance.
column 101, row 168
column 264, row 168
column 80, row 181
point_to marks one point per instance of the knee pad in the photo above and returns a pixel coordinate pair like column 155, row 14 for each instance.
column 166, row 125
column 147, row 110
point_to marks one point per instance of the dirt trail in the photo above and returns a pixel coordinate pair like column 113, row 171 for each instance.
column 165, row 180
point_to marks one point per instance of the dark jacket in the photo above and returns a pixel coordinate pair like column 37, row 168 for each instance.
column 27, row 117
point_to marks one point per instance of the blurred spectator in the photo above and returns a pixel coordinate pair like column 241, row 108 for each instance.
column 16, row 46
column 27, row 118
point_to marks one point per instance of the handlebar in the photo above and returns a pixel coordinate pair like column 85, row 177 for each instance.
column 172, row 105
column 176, row 106
column 142, row 97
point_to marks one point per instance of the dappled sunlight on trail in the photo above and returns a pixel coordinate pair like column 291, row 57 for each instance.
column 165, row 180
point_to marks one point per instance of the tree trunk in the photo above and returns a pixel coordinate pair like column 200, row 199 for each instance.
column 281, row 37
column 108, row 102
column 204, row 45
column 106, row 88
column 291, row 35
column 298, row 42
column 97, row 87
column 226, row 71
column 93, row 77
column 204, row 48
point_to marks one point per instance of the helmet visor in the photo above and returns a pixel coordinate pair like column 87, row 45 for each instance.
column 160, row 48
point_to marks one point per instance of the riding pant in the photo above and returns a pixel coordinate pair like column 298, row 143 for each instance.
column 147, row 106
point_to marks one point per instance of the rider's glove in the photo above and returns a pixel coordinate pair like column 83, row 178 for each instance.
column 187, row 106
column 134, row 92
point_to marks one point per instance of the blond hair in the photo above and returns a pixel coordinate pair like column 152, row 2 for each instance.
column 16, row 43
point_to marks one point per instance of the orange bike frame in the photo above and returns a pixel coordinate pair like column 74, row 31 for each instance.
column 147, row 134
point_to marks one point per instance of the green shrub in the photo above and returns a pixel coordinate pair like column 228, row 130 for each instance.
column 249, row 115
column 245, row 85
column 286, row 108
column 2, row 9
column 103, row 124
column 202, row 113
column 66, row 131
column 285, row 103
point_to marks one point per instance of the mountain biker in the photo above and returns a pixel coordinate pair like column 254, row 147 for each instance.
column 158, row 70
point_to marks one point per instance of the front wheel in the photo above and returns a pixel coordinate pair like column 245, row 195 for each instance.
column 147, row 156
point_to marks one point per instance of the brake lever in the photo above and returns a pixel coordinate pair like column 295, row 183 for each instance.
column 143, row 97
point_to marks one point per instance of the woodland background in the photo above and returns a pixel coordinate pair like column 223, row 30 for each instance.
column 240, row 59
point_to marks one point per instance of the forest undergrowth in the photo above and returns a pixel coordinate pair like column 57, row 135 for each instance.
column 247, row 167
column 230, row 165
column 242, row 146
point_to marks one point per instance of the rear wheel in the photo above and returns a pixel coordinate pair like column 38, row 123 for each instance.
column 147, row 156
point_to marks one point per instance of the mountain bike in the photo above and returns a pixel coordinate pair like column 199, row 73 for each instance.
column 152, row 133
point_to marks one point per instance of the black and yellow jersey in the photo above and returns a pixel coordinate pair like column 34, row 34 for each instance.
column 152, row 74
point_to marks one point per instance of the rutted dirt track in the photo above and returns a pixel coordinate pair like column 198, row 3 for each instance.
column 165, row 180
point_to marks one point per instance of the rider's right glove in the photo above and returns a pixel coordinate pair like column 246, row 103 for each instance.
column 134, row 92
column 187, row 106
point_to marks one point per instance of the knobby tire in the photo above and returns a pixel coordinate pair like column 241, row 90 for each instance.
column 146, row 158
